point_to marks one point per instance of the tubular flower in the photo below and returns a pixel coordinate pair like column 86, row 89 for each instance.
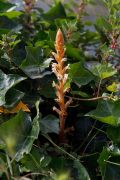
column 60, row 70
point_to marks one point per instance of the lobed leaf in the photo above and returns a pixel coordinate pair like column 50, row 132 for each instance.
column 101, row 70
column 7, row 82
column 79, row 75
column 107, row 112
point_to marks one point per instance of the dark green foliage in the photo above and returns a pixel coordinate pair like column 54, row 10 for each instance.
column 29, row 141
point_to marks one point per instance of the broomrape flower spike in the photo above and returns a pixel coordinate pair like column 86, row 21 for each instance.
column 60, row 70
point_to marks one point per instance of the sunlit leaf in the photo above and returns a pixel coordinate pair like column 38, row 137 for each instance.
column 115, row 2
column 14, row 132
column 107, row 112
column 101, row 70
column 114, row 87
column 11, row 14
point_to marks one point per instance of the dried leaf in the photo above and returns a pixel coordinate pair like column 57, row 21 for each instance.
column 20, row 106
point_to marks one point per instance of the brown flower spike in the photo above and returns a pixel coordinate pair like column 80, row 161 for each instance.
column 60, row 70
column 29, row 4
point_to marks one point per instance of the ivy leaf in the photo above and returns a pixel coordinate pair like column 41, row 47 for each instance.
column 4, row 6
column 34, row 65
column 101, row 70
column 33, row 134
column 44, row 82
column 27, row 144
column 35, row 161
column 105, row 154
column 113, row 170
column 14, row 132
column 74, row 53
column 34, row 56
column 107, row 112
column 11, row 14
column 13, row 96
column 57, row 11
column 114, row 87
column 18, row 134
column 49, row 124
column 114, row 134
column 79, row 75
column 109, row 164
column 66, row 167
column 82, row 172
column 6, row 82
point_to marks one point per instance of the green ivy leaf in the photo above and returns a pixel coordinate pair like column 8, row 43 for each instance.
column 109, row 163
column 79, row 75
column 82, row 172
column 13, row 96
column 55, row 12
column 107, row 112
column 49, row 124
column 114, row 87
column 74, row 53
column 34, row 65
column 31, row 136
column 11, row 14
column 105, row 154
column 7, row 82
column 44, row 82
column 19, row 133
column 65, row 168
column 4, row 6
column 101, row 70
column 114, row 134
column 113, row 170
column 35, row 161
column 14, row 131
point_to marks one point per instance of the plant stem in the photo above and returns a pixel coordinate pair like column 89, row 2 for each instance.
column 98, row 92
column 62, row 127
column 90, row 99
column 59, row 148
